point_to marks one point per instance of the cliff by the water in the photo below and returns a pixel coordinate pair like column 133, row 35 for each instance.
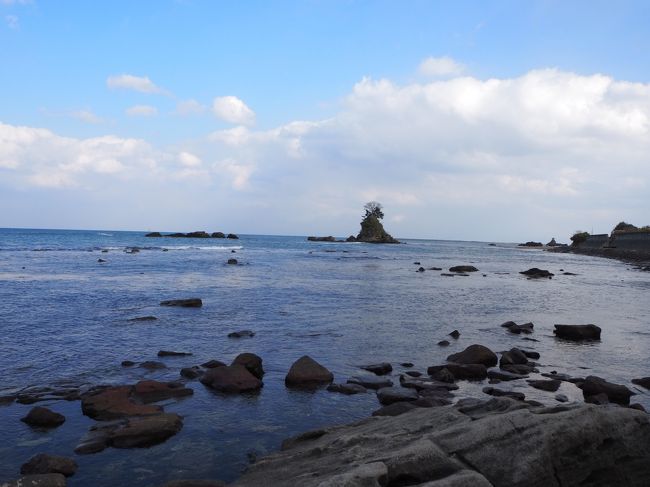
column 372, row 231
column 626, row 242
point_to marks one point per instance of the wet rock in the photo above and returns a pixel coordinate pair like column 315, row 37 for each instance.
column 426, row 384
column 416, row 263
column 443, row 375
column 413, row 373
column 112, row 403
column 241, row 334
column 420, row 269
column 43, row 418
column 252, row 362
column 521, row 369
column 143, row 318
column 536, row 273
column 218, row 235
column 531, row 355
column 232, row 262
column 592, row 386
column 148, row 391
column 561, row 398
column 407, row 364
column 443, row 343
column 474, row 354
column 395, row 409
column 169, row 353
column 231, row 379
column 577, row 332
column 379, row 369
column 184, row 303
column 638, row 407
column 531, row 244
column 101, row 261
column 463, row 268
column 371, row 382
column 348, row 388
column 191, row 372
column 460, row 371
column 513, row 357
column 455, row 334
column 435, row 268
column 306, row 372
column 232, row 236
column 493, row 391
column 598, row 399
column 44, row 463
column 526, row 328
column 643, row 382
column 152, row 365
column 545, row 385
column 44, row 480
column 31, row 395
column 504, row 375
column 211, row 364
column 390, row 395
column 127, row 363
column 446, row 274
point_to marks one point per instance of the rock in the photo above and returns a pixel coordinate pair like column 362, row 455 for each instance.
column 617, row 393
column 504, row 375
column 416, row 262
column 395, row 409
column 101, row 260
column 500, row 442
column 569, row 274
column 351, row 238
column 153, row 234
column 199, row 234
column 531, row 244
column 474, row 354
column 577, row 332
column 127, row 363
column 447, row 274
column 306, row 372
column 460, row 371
column 184, row 303
column 513, row 327
column 231, row 379
column 148, row 391
column 413, row 373
column 211, row 364
column 252, row 362
column 643, row 382
column 435, row 268
column 218, row 235
column 191, row 372
column 545, row 385
column 194, row 483
column 168, row 353
column 463, row 269
column 600, row 399
column 521, row 369
column 232, row 236
column 371, row 382
column 493, row 391
column 113, row 403
column 638, row 407
column 443, row 343
column 561, row 398
column 44, row 463
column 349, row 388
column 552, row 243
column 513, row 357
column 444, row 375
column 152, row 365
column 45, row 480
column 382, row 368
column 143, row 318
column 390, row 395
column 242, row 334
column 406, row 364
column 531, row 355
column 426, row 384
column 321, row 239
column 536, row 273
column 455, row 334
column 43, row 418
column 232, row 261
column 420, row 269
column 372, row 230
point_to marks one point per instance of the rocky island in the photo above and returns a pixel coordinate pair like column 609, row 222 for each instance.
column 372, row 230
column 197, row 234
column 626, row 242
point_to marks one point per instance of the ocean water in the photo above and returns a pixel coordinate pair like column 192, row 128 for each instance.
column 64, row 319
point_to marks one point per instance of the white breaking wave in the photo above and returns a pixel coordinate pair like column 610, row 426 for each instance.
column 212, row 247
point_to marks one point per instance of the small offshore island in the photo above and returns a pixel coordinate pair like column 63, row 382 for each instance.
column 372, row 230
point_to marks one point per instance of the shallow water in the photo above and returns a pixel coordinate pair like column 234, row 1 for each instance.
column 64, row 317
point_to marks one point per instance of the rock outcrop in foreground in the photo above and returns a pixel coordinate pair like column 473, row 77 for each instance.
column 501, row 442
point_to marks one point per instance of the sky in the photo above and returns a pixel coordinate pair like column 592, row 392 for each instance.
column 469, row 120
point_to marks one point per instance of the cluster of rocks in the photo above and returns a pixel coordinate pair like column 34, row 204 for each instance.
column 199, row 234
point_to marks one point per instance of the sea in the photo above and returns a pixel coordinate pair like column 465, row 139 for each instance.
column 64, row 319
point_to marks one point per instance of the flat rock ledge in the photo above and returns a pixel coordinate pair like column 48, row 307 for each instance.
column 472, row 443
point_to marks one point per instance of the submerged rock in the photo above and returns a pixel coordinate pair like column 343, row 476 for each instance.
column 371, row 382
column 43, row 417
column 390, row 395
column 379, row 369
column 143, row 318
column 475, row 354
column 241, row 334
column 545, row 385
column 183, row 303
column 232, row 262
column 459, row 371
column 44, row 463
column 577, row 332
column 513, row 327
column 500, row 442
column 169, row 353
column 43, row 480
column 536, row 273
column 231, row 379
column 306, row 372
column 349, row 388
column 463, row 269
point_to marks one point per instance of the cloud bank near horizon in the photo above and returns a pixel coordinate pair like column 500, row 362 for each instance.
column 533, row 156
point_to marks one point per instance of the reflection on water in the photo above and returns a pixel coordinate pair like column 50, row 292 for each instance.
column 65, row 317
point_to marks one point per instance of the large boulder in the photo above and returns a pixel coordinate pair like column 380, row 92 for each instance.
column 500, row 442
column 306, row 372
column 44, row 463
column 643, row 382
column 475, row 354
column 43, row 418
column 593, row 386
column 577, row 332
column 233, row 379
column 252, row 362
column 513, row 357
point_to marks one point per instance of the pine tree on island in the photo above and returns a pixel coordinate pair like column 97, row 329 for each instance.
column 372, row 230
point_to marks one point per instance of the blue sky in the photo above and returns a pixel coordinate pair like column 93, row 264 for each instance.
column 304, row 110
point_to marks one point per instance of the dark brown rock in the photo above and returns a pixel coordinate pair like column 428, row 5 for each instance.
column 231, row 379
column 43, row 418
column 44, row 463
column 184, row 303
column 252, row 362
column 460, row 371
column 592, row 386
column 169, row 353
column 379, row 369
column 493, row 391
column 475, row 354
column 232, row 262
column 349, row 388
column 371, row 382
column 504, row 375
column 113, row 403
column 443, row 343
column 643, row 382
column 242, row 334
column 148, row 391
column 577, row 332
column 211, row 364
column 455, row 334
column 545, row 385
column 191, row 372
column 307, row 372
column 390, row 395
column 536, row 273
column 513, row 357
column 463, row 268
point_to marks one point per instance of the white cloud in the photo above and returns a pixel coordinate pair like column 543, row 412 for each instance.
column 440, row 66
column 142, row 111
column 189, row 107
column 87, row 116
column 239, row 173
column 188, row 159
column 136, row 83
column 233, row 110
column 12, row 21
